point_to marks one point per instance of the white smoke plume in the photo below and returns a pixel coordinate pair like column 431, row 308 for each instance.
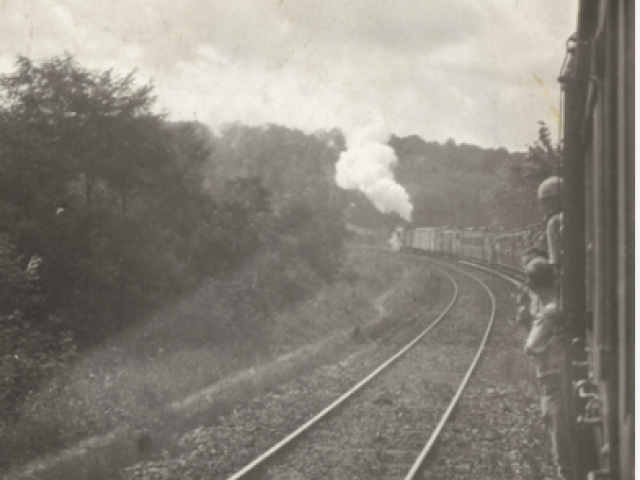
column 366, row 166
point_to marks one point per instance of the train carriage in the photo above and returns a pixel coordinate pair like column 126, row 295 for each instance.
column 418, row 239
column 448, row 241
column 408, row 238
column 598, row 81
column 472, row 244
column 439, row 240
column 507, row 251
column 431, row 241
column 428, row 239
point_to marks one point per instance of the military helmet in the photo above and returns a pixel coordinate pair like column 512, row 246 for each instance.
column 539, row 273
column 551, row 187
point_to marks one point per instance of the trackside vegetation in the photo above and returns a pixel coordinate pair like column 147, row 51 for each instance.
column 110, row 213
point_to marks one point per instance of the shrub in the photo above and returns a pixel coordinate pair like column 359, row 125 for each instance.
column 30, row 347
column 28, row 355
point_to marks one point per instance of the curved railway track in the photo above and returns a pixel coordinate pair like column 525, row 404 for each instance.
column 392, row 418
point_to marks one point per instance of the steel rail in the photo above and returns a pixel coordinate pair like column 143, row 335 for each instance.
column 492, row 271
column 445, row 417
column 310, row 423
column 411, row 475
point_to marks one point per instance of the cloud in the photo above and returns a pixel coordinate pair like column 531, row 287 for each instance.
column 461, row 68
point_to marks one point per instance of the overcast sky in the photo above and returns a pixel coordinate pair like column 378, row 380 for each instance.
column 478, row 71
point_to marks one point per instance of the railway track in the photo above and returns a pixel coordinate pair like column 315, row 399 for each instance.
column 388, row 424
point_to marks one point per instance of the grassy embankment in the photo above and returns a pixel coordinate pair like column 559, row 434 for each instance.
column 139, row 381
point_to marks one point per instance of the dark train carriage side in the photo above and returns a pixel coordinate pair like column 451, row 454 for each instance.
column 423, row 238
column 509, row 247
column 449, row 241
column 598, row 254
column 472, row 244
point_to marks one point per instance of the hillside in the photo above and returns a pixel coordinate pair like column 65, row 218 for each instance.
column 448, row 184
column 461, row 185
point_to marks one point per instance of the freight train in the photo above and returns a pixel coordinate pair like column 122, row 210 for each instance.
column 499, row 249
column 598, row 256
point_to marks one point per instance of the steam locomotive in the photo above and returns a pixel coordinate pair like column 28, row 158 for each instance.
column 598, row 257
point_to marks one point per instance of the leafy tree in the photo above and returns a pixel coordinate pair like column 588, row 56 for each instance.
column 242, row 222
column 100, row 187
column 298, row 170
column 513, row 200
column 315, row 235
column 64, row 123
column 31, row 346
column 543, row 158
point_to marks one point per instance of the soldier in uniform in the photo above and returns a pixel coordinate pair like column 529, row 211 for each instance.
column 528, row 302
column 550, row 197
column 545, row 346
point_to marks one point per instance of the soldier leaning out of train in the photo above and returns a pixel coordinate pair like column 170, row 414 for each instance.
column 528, row 302
column 545, row 346
column 550, row 197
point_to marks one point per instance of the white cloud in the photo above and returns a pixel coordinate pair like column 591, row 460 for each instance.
column 460, row 68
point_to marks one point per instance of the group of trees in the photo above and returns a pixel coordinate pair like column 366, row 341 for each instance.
column 101, row 189
column 449, row 184
column 298, row 170
column 470, row 186
column 513, row 199
column 107, row 209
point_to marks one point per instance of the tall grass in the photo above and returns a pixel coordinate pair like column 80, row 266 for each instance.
column 128, row 383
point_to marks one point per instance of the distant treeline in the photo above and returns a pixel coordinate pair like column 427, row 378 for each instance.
column 108, row 211
column 464, row 185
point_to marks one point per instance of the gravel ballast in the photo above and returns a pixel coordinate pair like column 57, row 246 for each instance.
column 495, row 433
